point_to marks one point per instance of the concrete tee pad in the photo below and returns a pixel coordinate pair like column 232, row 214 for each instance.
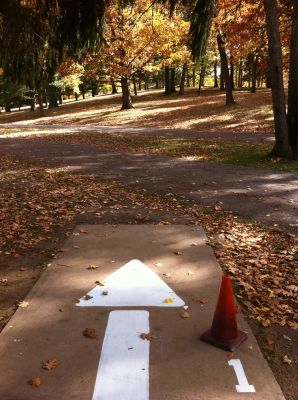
column 175, row 366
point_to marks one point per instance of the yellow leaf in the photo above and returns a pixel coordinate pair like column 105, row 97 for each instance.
column 35, row 382
column 169, row 300
column 23, row 304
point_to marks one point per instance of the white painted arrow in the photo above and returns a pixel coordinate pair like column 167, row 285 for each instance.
column 134, row 284
column 123, row 371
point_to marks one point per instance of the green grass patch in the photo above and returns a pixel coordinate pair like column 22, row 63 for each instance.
column 228, row 152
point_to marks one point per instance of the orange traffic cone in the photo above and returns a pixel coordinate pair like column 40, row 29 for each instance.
column 224, row 332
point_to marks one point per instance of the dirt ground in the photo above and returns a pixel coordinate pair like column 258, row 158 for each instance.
column 251, row 113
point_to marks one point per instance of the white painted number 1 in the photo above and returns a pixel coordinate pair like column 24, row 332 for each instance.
column 244, row 386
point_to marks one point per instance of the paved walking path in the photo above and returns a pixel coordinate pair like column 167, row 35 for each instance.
column 116, row 364
column 264, row 195
column 170, row 133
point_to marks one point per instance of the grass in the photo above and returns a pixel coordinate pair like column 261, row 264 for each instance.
column 227, row 152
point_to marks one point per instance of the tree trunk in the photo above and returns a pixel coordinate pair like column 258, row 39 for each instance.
column 45, row 99
column 76, row 96
column 268, row 79
column 187, row 79
column 167, row 81
column 194, row 77
column 215, row 74
column 221, row 81
column 140, row 85
column 201, row 80
column 182, row 82
column 282, row 146
column 225, row 70
column 60, row 98
column 293, row 84
column 7, row 107
column 40, row 100
column 126, row 97
column 32, row 101
column 240, row 74
column 114, row 88
column 134, row 86
column 232, row 68
column 173, row 76
column 255, row 62
column 92, row 89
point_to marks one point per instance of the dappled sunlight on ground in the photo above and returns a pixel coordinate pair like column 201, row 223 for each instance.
column 251, row 113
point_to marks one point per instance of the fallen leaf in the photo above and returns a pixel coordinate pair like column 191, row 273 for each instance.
column 167, row 275
column 293, row 325
column 184, row 314
column 87, row 297
column 93, row 266
column 35, row 382
column 158, row 264
column 286, row 360
column 51, row 363
column 148, row 336
column 90, row 333
column 169, row 300
column 178, row 253
column 287, row 337
column 23, row 304
column 83, row 230
column 265, row 323
column 269, row 341
column 105, row 293
column 230, row 355
column 100, row 283
column 189, row 273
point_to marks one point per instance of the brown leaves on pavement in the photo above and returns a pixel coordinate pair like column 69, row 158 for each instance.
column 184, row 314
column 93, row 266
column 50, row 364
column 90, row 333
column 148, row 336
